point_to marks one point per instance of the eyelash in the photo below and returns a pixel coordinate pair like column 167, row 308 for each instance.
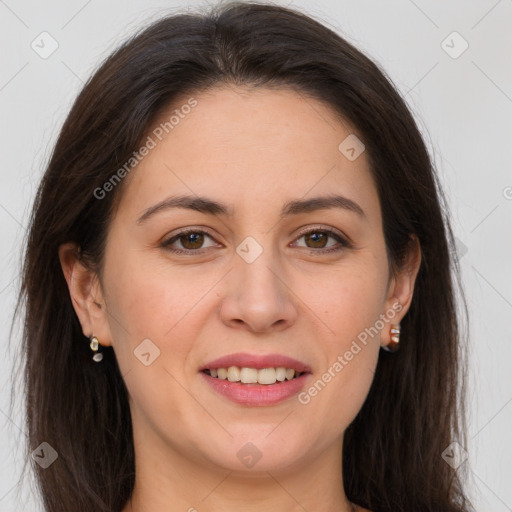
column 344, row 243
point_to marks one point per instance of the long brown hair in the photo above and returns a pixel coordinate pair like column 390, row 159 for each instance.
column 392, row 453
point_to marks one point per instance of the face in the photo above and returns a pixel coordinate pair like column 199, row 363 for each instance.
column 257, row 273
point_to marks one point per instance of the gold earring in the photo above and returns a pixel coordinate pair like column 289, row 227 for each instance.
column 98, row 356
column 394, row 344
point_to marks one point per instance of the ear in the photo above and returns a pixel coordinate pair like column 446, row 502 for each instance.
column 401, row 287
column 86, row 294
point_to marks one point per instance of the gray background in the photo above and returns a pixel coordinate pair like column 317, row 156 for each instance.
column 464, row 107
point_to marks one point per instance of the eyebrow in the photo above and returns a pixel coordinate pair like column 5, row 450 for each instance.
column 211, row 207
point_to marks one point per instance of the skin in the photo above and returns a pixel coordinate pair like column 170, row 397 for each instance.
column 253, row 149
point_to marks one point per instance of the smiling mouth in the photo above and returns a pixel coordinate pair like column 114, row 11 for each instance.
column 245, row 375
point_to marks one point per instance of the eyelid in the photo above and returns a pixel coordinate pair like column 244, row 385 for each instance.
column 331, row 232
column 344, row 242
column 191, row 229
column 320, row 227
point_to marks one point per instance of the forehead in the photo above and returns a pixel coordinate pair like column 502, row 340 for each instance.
column 248, row 147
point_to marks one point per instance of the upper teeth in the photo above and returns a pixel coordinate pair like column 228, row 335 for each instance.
column 253, row 375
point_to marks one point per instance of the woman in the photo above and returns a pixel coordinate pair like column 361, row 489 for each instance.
column 238, row 282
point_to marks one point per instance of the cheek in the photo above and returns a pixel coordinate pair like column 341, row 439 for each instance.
column 351, row 302
column 154, row 311
column 336, row 394
column 152, row 300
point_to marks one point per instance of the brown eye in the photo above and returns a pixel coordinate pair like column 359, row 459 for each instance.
column 317, row 240
column 192, row 240
column 189, row 241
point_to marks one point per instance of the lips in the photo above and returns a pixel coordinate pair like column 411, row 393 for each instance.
column 256, row 394
column 257, row 361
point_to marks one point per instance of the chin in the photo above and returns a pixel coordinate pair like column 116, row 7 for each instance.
column 256, row 454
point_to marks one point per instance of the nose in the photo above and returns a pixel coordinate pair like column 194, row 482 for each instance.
column 257, row 296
